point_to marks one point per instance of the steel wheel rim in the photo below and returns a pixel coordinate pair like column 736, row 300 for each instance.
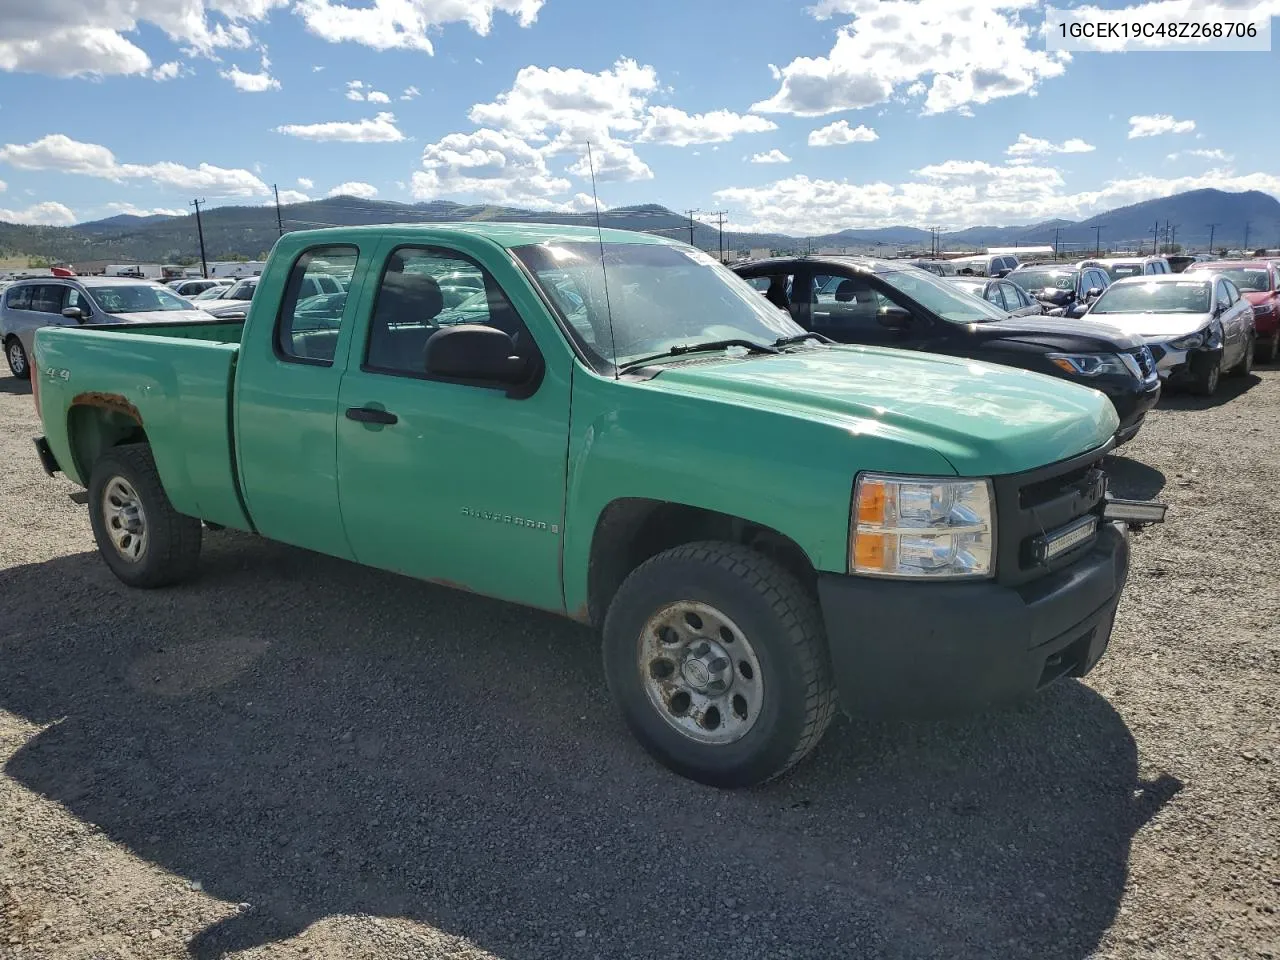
column 17, row 358
column 680, row 650
column 124, row 518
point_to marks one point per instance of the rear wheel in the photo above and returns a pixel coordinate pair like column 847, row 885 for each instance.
column 1206, row 383
column 717, row 657
column 17, row 358
column 144, row 541
column 1245, row 366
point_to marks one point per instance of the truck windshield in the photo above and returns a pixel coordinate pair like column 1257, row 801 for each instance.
column 1034, row 281
column 658, row 296
column 1182, row 296
column 138, row 298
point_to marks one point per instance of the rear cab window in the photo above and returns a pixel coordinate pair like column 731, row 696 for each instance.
column 18, row 298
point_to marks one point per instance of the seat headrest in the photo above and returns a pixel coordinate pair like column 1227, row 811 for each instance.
column 416, row 296
column 846, row 290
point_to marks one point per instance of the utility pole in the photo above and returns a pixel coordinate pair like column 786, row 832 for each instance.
column 1211, row 227
column 1155, row 239
column 279, row 221
column 1097, row 239
column 1056, row 233
column 691, row 213
column 1247, row 225
column 1173, row 237
column 935, row 243
column 204, row 263
column 719, row 215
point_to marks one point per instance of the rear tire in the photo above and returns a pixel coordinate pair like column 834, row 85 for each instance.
column 1206, row 384
column 1267, row 353
column 144, row 541
column 19, row 364
column 718, row 660
column 1245, row 366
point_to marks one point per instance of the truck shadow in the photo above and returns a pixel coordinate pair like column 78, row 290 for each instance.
column 313, row 738
column 14, row 386
column 1133, row 479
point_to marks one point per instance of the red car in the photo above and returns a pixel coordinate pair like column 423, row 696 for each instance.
column 1259, row 283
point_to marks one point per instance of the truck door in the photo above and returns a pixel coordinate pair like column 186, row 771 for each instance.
column 287, row 401
column 450, row 481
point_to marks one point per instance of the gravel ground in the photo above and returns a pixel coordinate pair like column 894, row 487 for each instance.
column 297, row 756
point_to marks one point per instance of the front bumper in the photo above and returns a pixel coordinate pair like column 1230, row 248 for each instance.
column 1183, row 366
column 1132, row 405
column 920, row 649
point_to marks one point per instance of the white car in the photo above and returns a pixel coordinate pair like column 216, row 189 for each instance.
column 190, row 286
column 1197, row 325
column 28, row 305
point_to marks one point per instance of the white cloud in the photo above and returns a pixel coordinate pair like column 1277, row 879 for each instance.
column 679, row 129
column 575, row 101
column 49, row 214
column 381, row 129
column 293, row 196
column 59, row 152
column 406, row 24
column 259, row 82
column 68, row 38
column 773, row 156
column 491, row 165
column 972, row 51
column 136, row 211
column 839, row 133
column 3, row 186
column 585, row 203
column 354, row 188
column 316, row 68
column 614, row 160
column 306, row 183
column 410, row 93
column 957, row 193
column 377, row 96
column 1156, row 124
column 1035, row 147
column 167, row 71
column 1202, row 154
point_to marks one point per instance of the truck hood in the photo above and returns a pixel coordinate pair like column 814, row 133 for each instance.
column 1060, row 334
column 984, row 419
column 1152, row 326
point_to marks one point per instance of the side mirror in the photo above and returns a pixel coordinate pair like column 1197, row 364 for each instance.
column 1093, row 294
column 474, row 352
column 73, row 313
column 895, row 318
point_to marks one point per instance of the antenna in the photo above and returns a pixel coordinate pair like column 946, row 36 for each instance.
column 608, row 307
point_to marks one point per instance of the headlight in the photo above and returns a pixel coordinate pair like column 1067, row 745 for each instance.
column 921, row 527
column 1263, row 309
column 1192, row 341
column 1095, row 364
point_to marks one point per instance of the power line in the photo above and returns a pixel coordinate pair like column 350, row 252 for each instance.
column 204, row 263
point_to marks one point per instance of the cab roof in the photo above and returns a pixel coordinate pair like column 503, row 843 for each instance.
column 859, row 264
column 502, row 233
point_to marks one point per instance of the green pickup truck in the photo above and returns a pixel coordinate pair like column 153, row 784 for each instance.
column 614, row 427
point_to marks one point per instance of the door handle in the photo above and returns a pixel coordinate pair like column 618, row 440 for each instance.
column 370, row 415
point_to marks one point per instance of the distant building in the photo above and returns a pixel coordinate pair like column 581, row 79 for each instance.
column 235, row 268
column 759, row 253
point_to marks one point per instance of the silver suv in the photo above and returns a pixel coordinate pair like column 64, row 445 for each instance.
column 30, row 304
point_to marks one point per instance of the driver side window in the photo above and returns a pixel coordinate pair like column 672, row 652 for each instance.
column 426, row 288
column 846, row 304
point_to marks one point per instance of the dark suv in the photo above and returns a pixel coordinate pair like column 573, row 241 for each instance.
column 885, row 303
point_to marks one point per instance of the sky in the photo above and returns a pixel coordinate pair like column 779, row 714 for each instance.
column 801, row 117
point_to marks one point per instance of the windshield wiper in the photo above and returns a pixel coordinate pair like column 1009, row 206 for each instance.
column 682, row 348
column 800, row 338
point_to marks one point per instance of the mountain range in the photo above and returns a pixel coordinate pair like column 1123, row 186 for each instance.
column 232, row 232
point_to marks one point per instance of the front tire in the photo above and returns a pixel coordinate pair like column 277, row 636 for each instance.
column 144, row 541
column 19, row 365
column 717, row 657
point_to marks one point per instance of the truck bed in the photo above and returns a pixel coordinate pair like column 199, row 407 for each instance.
column 100, row 384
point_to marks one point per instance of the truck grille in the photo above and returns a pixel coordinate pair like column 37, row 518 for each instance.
column 1038, row 503
column 1157, row 352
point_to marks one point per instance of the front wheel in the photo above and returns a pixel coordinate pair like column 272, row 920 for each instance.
column 717, row 657
column 17, row 357
column 144, row 541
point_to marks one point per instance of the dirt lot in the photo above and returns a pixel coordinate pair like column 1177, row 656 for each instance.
column 298, row 756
